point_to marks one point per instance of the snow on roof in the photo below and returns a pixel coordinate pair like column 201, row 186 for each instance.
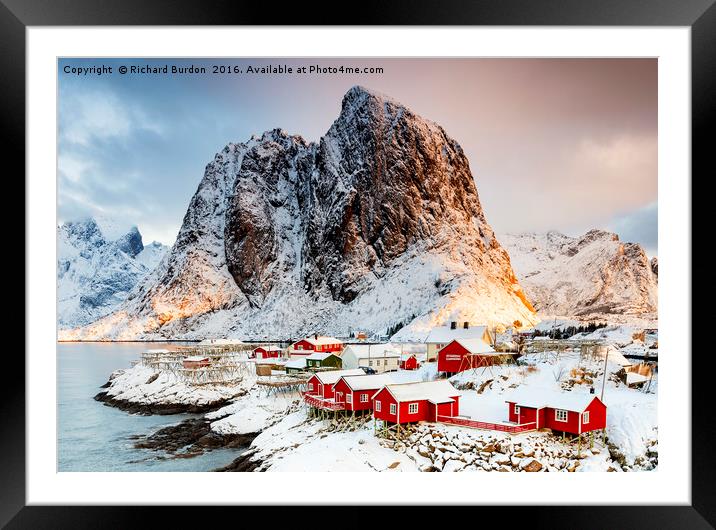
column 370, row 351
column 633, row 377
column 319, row 356
column 367, row 382
column 321, row 340
column 440, row 391
column 296, row 363
column 158, row 351
column 535, row 397
column 476, row 346
column 615, row 356
column 196, row 358
column 269, row 348
column 329, row 378
column 443, row 334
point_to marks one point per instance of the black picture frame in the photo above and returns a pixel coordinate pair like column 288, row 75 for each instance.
column 699, row 15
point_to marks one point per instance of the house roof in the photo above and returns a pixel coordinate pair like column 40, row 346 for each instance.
column 319, row 356
column 272, row 347
column 372, row 351
column 440, row 391
column 367, row 382
column 158, row 351
column 321, row 340
column 443, row 334
column 544, row 397
column 476, row 346
column 296, row 363
column 329, row 378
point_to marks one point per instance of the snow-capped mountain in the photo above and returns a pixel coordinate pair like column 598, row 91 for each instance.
column 376, row 225
column 98, row 264
column 595, row 274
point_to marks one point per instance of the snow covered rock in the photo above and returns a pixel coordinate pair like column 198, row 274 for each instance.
column 97, row 267
column 378, row 224
column 592, row 275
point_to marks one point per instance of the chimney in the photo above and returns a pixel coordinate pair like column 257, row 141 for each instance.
column 453, row 325
column 316, row 336
column 465, row 325
column 591, row 390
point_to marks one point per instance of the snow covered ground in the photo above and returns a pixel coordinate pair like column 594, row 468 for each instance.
column 289, row 440
column 144, row 386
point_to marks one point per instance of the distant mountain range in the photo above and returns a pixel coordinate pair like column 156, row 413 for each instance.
column 98, row 264
column 588, row 276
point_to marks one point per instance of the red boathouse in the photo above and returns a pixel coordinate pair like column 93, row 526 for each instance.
column 316, row 343
column 409, row 362
column 268, row 352
column 356, row 391
column 571, row 412
column 463, row 354
column 412, row 402
column 321, row 384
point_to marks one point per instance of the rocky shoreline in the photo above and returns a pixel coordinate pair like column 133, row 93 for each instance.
column 242, row 464
column 191, row 437
column 148, row 409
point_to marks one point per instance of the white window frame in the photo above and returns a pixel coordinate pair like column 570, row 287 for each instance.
column 349, row 397
column 517, row 409
column 377, row 406
column 413, row 408
column 393, row 408
column 558, row 413
column 585, row 417
column 370, row 363
column 364, row 398
column 313, row 387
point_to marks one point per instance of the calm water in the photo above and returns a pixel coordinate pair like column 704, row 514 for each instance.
column 94, row 437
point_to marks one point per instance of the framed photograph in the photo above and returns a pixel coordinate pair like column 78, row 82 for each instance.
column 420, row 258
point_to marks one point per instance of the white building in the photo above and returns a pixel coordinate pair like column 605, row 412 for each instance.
column 379, row 357
column 441, row 336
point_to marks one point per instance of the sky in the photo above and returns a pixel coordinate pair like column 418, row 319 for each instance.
column 553, row 144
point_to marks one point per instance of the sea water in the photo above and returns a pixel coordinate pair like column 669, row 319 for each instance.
column 94, row 437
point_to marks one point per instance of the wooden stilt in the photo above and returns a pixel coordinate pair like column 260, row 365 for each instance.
column 591, row 439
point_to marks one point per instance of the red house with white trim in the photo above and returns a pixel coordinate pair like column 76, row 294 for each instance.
column 356, row 391
column 462, row 354
column 572, row 412
column 412, row 402
column 409, row 362
column 317, row 343
column 268, row 352
column 321, row 384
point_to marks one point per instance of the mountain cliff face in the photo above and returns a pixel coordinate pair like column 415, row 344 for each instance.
column 377, row 224
column 97, row 268
column 595, row 274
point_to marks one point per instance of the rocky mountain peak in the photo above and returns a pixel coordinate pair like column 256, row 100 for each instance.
column 377, row 224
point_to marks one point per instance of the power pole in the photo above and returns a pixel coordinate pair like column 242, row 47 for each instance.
column 604, row 378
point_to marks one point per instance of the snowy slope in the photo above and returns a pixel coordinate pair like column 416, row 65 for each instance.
column 98, row 264
column 378, row 224
column 592, row 275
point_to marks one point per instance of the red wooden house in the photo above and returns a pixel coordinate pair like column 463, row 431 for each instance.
column 356, row 391
column 268, row 352
column 321, row 384
column 411, row 402
column 571, row 412
column 317, row 343
column 409, row 362
column 463, row 354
